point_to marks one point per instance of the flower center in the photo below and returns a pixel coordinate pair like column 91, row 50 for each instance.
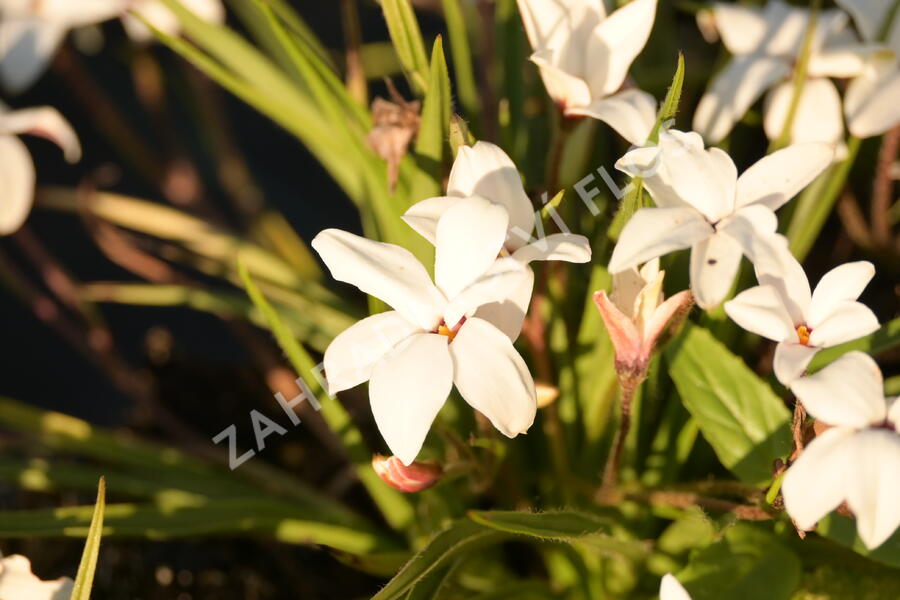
column 449, row 332
column 803, row 334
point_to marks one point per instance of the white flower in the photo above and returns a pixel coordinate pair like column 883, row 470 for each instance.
column 857, row 460
column 671, row 589
column 31, row 31
column 702, row 204
column 784, row 310
column 17, row 582
column 485, row 171
column 584, row 56
column 870, row 103
column 16, row 167
column 765, row 44
column 413, row 355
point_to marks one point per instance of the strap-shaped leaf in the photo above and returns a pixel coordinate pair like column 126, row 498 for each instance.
column 434, row 130
column 85, row 578
column 407, row 39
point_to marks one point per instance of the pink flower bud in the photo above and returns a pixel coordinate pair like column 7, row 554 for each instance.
column 413, row 478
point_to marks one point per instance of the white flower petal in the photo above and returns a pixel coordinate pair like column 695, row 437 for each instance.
column 847, row 321
column 632, row 113
column 870, row 103
column 508, row 314
column 705, row 179
column 26, row 47
column 470, row 235
column 551, row 23
column 844, row 282
column 816, row 483
column 615, row 43
column 873, row 488
column 350, row 357
column 423, row 216
column 498, row 284
column 743, row 28
column 818, row 118
column 894, row 411
column 653, row 232
column 568, row 247
column 76, row 14
column 17, row 582
column 778, row 177
column 848, row 392
column 16, row 184
column 714, row 265
column 753, row 228
column 485, row 170
column 792, row 284
column 385, row 271
column 46, row 122
column 566, row 89
column 841, row 61
column 671, row 589
column 761, row 310
column 492, row 377
column 733, row 91
column 407, row 390
column 869, row 15
column 791, row 360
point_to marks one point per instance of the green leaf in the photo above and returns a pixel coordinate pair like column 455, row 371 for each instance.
column 434, row 129
column 843, row 531
column 461, row 537
column 547, row 526
column 885, row 338
column 85, row 578
column 747, row 425
column 462, row 57
column 407, row 39
column 749, row 563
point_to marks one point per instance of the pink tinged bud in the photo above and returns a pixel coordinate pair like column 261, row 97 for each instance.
column 413, row 478
column 624, row 335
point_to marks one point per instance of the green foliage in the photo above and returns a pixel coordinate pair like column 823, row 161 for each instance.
column 748, row 563
column 407, row 39
column 84, row 580
column 745, row 422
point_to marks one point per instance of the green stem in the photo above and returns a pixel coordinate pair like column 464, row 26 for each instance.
column 800, row 71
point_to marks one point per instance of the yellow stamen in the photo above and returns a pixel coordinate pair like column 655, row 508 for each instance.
column 444, row 330
column 803, row 334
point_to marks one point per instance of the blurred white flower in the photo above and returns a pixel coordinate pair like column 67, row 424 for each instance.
column 635, row 314
column 584, row 56
column 857, row 460
column 16, row 167
column 17, row 582
column 31, row 31
column 783, row 310
column 870, row 103
column 765, row 44
column 671, row 589
column 702, row 204
column 485, row 171
column 412, row 356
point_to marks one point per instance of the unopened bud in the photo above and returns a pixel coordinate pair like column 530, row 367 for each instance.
column 459, row 134
column 546, row 394
column 413, row 478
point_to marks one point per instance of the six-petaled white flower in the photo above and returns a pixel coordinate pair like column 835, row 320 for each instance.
column 31, row 31
column 584, row 56
column 765, row 44
column 412, row 356
column 784, row 310
column 702, row 204
column 870, row 103
column 16, row 167
column 671, row 589
column 17, row 582
column 855, row 461
column 485, row 171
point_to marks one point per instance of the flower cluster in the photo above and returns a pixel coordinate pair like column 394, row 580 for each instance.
column 458, row 330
